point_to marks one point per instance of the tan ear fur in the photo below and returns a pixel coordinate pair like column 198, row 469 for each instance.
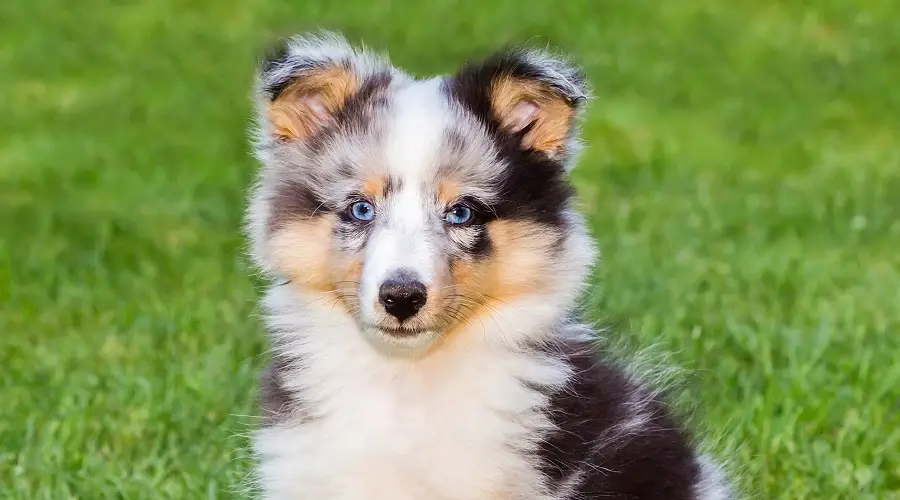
column 519, row 103
column 310, row 102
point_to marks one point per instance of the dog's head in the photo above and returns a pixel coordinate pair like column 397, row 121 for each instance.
column 420, row 207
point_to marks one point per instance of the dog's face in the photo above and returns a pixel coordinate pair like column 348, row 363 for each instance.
column 419, row 207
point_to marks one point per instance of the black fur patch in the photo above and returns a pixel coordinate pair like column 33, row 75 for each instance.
column 274, row 399
column 481, row 247
column 534, row 187
column 477, row 243
column 650, row 460
column 359, row 108
column 293, row 199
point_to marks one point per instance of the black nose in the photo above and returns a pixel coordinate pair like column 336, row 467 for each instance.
column 402, row 297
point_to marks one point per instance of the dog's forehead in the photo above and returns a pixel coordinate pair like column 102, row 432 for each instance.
column 415, row 129
column 429, row 139
column 417, row 138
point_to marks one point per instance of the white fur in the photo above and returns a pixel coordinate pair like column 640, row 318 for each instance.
column 713, row 484
column 417, row 129
column 440, row 427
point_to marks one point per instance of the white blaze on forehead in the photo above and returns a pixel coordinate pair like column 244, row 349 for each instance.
column 420, row 112
column 411, row 154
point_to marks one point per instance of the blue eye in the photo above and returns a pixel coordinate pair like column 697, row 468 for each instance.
column 458, row 215
column 362, row 210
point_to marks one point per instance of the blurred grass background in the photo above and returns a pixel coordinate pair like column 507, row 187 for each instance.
column 743, row 179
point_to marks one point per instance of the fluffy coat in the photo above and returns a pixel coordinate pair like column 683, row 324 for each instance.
column 491, row 389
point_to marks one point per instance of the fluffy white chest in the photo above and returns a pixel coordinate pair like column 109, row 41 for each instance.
column 457, row 427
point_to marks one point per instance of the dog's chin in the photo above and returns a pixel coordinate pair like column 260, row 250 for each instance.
column 400, row 341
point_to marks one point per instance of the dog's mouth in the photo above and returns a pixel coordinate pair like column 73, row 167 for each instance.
column 399, row 331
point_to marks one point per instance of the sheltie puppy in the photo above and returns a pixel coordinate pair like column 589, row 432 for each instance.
column 426, row 260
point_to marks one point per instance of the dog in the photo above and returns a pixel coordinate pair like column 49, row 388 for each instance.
column 426, row 258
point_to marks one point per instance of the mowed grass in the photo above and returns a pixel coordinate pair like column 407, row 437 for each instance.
column 743, row 180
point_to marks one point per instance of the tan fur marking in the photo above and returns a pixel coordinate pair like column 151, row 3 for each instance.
column 521, row 257
column 374, row 187
column 520, row 262
column 448, row 191
column 554, row 119
column 346, row 274
column 293, row 115
column 301, row 250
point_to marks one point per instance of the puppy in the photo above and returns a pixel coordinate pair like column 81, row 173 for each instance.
column 428, row 260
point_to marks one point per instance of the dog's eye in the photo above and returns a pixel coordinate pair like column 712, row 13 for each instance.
column 458, row 215
column 362, row 211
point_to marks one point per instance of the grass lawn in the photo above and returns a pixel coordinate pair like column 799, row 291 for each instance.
column 743, row 179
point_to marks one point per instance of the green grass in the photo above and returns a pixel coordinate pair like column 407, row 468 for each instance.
column 743, row 180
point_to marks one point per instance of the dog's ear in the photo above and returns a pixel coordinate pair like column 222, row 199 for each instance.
column 530, row 95
column 304, row 84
